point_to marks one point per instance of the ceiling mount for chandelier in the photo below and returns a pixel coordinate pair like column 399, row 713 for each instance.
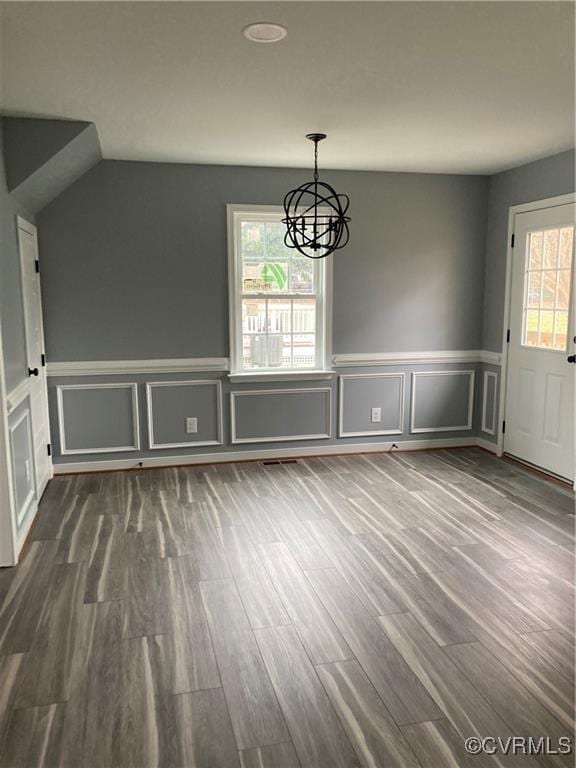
column 315, row 215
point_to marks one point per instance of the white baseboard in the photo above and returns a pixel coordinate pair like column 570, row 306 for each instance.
column 487, row 445
column 257, row 455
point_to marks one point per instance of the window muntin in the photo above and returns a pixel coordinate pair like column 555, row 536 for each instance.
column 278, row 297
column 547, row 284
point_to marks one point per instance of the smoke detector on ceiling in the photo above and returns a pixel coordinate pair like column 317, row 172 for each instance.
column 264, row 32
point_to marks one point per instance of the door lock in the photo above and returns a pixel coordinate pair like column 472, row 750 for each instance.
column 33, row 372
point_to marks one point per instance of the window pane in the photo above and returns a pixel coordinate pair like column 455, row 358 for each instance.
column 563, row 295
column 302, row 275
column 304, row 350
column 254, row 351
column 550, row 255
column 254, row 315
column 566, row 244
column 560, row 330
column 264, row 276
column 275, row 248
column 546, row 329
column 279, row 351
column 535, row 261
column 304, row 316
column 534, row 287
column 279, row 316
column 548, row 289
column 531, row 328
column 265, row 259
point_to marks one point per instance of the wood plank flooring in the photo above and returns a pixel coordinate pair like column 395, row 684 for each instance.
column 369, row 611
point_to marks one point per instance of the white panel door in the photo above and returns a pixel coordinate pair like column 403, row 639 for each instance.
column 540, row 380
column 32, row 300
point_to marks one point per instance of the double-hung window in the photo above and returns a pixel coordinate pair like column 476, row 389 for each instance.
column 278, row 298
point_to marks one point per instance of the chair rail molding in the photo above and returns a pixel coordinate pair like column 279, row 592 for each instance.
column 110, row 367
column 368, row 359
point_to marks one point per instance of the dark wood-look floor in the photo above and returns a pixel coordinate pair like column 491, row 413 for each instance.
column 351, row 611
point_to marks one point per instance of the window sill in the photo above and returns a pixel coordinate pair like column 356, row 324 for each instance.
column 236, row 378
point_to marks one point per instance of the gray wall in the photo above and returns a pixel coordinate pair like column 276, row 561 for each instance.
column 12, row 313
column 544, row 178
column 135, row 260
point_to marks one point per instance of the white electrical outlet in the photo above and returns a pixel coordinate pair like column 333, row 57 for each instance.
column 191, row 425
column 375, row 415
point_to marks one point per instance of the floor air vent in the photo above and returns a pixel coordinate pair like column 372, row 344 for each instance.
column 274, row 462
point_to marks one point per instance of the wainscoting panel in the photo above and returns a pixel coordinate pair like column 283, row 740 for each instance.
column 489, row 402
column 361, row 392
column 98, row 418
column 170, row 403
column 280, row 415
column 442, row 401
column 22, row 450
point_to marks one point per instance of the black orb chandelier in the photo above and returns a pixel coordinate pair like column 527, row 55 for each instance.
column 316, row 221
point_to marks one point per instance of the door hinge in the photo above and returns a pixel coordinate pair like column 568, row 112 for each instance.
column 49, row 448
column 37, row 266
column 43, row 356
column 504, row 427
column 512, row 241
column 508, row 336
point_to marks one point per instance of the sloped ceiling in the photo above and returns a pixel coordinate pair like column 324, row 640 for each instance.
column 43, row 157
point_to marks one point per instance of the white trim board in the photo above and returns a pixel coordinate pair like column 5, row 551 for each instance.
column 301, row 375
column 152, row 445
column 281, row 438
column 259, row 455
column 31, row 497
column 108, row 367
column 371, row 433
column 117, row 449
column 487, row 445
column 18, row 395
column 514, row 210
column 9, row 543
column 212, row 364
column 490, row 430
column 416, row 358
column 464, row 428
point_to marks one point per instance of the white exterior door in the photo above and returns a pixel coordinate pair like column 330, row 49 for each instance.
column 540, row 390
column 32, row 300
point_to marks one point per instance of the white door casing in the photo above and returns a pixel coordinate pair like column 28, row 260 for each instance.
column 540, row 410
column 32, row 302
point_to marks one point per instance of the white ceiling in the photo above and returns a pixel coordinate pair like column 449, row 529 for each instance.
column 465, row 87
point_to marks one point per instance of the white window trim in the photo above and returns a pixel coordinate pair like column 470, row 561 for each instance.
column 236, row 213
